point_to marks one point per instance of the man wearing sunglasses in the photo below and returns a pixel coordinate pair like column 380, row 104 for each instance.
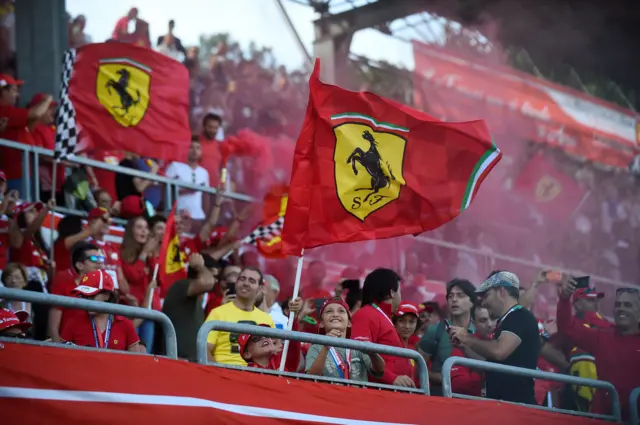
column 85, row 257
column 616, row 350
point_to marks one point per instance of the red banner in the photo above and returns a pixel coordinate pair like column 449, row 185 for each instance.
column 79, row 387
column 517, row 104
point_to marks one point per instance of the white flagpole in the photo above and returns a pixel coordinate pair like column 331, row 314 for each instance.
column 54, row 176
column 296, row 289
column 155, row 276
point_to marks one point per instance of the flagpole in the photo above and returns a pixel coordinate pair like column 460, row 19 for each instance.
column 54, row 176
column 296, row 289
column 155, row 276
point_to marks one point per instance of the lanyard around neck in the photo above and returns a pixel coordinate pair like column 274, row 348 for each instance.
column 382, row 312
column 97, row 335
column 504, row 316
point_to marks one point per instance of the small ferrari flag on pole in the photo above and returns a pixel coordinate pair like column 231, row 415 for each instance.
column 366, row 167
column 172, row 267
column 123, row 97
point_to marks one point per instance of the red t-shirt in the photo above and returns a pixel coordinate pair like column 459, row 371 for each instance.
column 463, row 379
column 138, row 277
column 80, row 332
column 107, row 179
column 373, row 325
column 64, row 282
column 45, row 137
column 61, row 255
column 211, row 159
column 192, row 245
column 11, row 159
column 29, row 255
column 4, row 243
column 214, row 300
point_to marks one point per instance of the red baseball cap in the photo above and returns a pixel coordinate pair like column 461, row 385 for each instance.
column 97, row 212
column 26, row 206
column 95, row 282
column 38, row 98
column 407, row 308
column 3, row 176
column 587, row 293
column 132, row 206
column 8, row 80
column 9, row 319
column 244, row 339
column 335, row 300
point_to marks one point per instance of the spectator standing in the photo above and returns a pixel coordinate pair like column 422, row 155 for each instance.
column 267, row 302
column 26, row 243
column 435, row 345
column 516, row 341
column 222, row 346
column 70, row 232
column 85, row 258
column 220, row 294
column 210, row 145
column 44, row 136
column 406, row 323
column 189, row 199
column 183, row 303
column 132, row 29
column 485, row 325
column 372, row 323
column 78, row 37
column 134, row 274
column 127, row 185
column 616, row 350
column 99, row 222
column 343, row 363
column 16, row 128
column 99, row 330
column 171, row 45
column 314, row 287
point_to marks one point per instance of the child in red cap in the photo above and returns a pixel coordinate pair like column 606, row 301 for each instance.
column 406, row 323
column 14, row 325
column 262, row 352
column 100, row 330
column 335, row 321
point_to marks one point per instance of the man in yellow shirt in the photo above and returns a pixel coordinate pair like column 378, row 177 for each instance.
column 223, row 346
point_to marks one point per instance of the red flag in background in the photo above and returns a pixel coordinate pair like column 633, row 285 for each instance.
column 172, row 267
column 369, row 168
column 554, row 194
column 129, row 98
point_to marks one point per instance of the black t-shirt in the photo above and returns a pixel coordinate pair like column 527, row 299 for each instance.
column 124, row 182
column 186, row 314
column 500, row 386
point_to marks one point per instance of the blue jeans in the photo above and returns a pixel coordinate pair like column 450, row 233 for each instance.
column 146, row 332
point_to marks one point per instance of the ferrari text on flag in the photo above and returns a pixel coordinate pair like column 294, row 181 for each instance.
column 117, row 96
column 369, row 168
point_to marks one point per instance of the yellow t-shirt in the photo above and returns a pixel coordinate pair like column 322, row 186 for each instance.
column 226, row 349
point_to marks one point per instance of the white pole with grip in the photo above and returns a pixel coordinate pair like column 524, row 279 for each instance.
column 54, row 176
column 296, row 290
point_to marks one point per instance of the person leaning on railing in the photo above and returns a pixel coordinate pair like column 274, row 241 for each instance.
column 616, row 350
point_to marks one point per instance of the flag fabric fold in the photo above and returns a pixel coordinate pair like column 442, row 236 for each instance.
column 366, row 167
column 172, row 266
column 117, row 96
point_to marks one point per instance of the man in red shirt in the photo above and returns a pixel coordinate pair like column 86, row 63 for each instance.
column 616, row 350
column 210, row 159
column 372, row 323
column 44, row 136
column 17, row 129
column 85, row 257
column 100, row 330
column 100, row 219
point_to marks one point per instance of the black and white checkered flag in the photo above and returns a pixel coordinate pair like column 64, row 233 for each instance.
column 66, row 126
column 265, row 232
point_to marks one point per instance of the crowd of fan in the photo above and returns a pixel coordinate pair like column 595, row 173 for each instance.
column 492, row 322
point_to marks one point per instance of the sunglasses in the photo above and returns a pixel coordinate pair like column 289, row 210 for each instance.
column 627, row 290
column 98, row 259
column 256, row 338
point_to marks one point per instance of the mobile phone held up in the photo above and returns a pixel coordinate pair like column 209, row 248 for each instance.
column 581, row 282
column 447, row 325
column 231, row 288
column 552, row 276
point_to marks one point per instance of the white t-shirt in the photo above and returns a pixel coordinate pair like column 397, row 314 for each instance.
column 191, row 202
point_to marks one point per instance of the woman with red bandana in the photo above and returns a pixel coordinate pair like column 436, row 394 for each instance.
column 26, row 244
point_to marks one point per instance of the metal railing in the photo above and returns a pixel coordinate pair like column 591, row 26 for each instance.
column 170, row 339
column 634, row 416
column 447, row 391
column 365, row 347
column 29, row 190
column 10, row 340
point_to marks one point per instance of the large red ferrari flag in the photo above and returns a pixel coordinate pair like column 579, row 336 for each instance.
column 117, row 96
column 366, row 167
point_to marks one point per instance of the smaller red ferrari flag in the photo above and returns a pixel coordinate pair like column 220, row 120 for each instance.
column 172, row 267
column 366, row 167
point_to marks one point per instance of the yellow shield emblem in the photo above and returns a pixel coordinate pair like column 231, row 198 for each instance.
column 122, row 87
column 174, row 261
column 547, row 189
column 368, row 168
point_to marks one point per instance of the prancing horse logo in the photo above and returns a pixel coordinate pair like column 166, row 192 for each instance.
column 368, row 167
column 122, row 86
